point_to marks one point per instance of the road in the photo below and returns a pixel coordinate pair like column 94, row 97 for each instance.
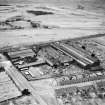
column 22, row 83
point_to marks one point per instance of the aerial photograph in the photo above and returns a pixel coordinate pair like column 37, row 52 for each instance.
column 52, row 52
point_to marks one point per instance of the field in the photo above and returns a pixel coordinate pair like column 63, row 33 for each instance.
column 69, row 19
